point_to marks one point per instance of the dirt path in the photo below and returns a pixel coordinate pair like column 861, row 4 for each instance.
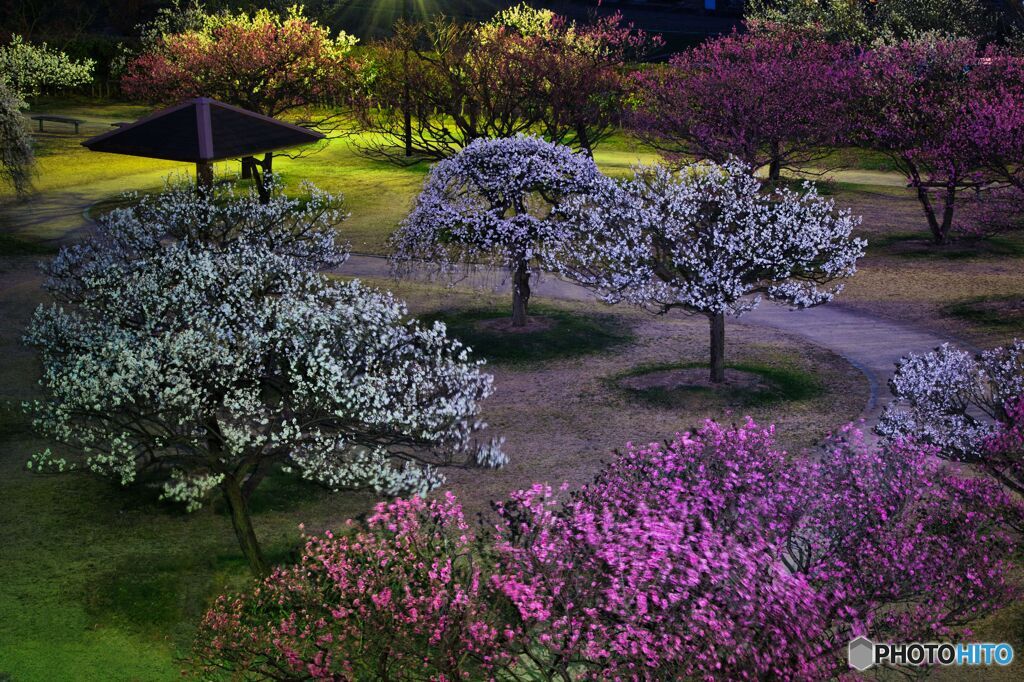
column 871, row 344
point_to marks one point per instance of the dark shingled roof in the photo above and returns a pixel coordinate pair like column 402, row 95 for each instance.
column 199, row 130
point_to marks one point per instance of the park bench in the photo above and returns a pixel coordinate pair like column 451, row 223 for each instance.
column 58, row 119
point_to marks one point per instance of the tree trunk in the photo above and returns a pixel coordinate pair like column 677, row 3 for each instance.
column 947, row 214
column 775, row 165
column 262, row 179
column 242, row 523
column 717, row 347
column 204, row 176
column 584, row 140
column 520, row 294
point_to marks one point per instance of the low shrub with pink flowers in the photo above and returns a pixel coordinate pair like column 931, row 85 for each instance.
column 401, row 599
column 716, row 555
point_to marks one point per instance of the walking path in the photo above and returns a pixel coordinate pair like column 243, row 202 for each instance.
column 871, row 344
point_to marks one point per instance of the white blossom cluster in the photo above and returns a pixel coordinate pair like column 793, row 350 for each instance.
column 492, row 203
column 704, row 239
column 952, row 399
column 196, row 342
column 303, row 230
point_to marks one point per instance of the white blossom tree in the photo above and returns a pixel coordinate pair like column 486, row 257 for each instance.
column 195, row 345
column 492, row 203
column 957, row 401
column 28, row 68
column 16, row 155
column 706, row 240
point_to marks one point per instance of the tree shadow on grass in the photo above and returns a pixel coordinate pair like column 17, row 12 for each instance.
column 772, row 385
column 997, row 313
column 919, row 246
column 13, row 245
column 565, row 334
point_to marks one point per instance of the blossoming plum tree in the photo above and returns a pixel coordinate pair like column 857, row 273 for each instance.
column 941, row 110
column 494, row 202
column 435, row 86
column 718, row 556
column 713, row 556
column 269, row 63
column 779, row 99
column 28, row 69
column 16, row 155
column 195, row 345
column 405, row 594
column 967, row 407
column 704, row 239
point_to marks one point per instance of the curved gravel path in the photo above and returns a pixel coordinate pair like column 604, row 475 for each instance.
column 871, row 344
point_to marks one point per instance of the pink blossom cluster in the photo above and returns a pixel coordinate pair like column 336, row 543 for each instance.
column 716, row 555
column 719, row 556
column 401, row 599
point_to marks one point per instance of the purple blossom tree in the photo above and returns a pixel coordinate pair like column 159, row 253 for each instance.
column 948, row 116
column 493, row 203
column 718, row 556
column 779, row 99
column 705, row 240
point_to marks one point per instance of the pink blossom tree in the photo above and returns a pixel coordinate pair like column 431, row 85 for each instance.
column 402, row 599
column 719, row 556
column 493, row 203
column 779, row 99
column 271, row 63
column 944, row 113
column 705, row 240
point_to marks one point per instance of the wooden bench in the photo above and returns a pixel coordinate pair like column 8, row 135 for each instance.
column 58, row 119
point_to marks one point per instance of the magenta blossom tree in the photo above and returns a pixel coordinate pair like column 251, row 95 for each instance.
column 779, row 99
column 718, row 556
column 944, row 113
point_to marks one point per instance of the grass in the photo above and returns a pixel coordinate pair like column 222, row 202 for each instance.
column 919, row 246
column 571, row 334
column 14, row 245
column 785, row 384
column 103, row 583
column 1001, row 313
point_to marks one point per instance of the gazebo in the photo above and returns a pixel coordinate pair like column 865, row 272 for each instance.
column 201, row 131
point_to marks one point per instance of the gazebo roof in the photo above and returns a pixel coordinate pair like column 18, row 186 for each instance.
column 200, row 130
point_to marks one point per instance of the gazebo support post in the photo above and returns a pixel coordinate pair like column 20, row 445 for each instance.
column 204, row 175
